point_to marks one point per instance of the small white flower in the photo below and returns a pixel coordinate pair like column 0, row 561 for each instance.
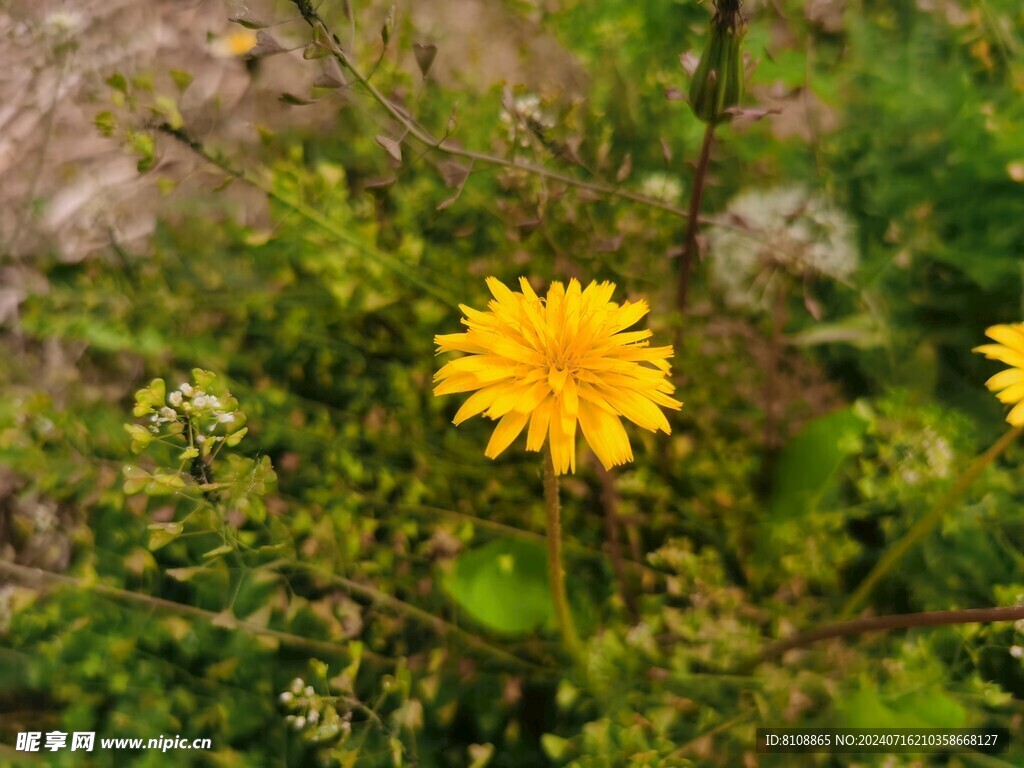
column 63, row 23
column 174, row 398
column 186, row 390
column 308, row 691
column 168, row 413
column 285, row 698
column 523, row 115
column 1016, row 651
column 200, row 401
column 226, row 418
column 314, row 716
column 300, row 723
column 200, row 439
column 297, row 684
column 662, row 186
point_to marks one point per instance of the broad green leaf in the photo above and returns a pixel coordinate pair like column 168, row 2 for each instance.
column 807, row 468
column 503, row 585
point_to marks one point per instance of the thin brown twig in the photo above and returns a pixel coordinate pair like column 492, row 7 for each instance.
column 700, row 177
column 772, row 437
column 436, row 623
column 885, row 624
column 30, row 576
column 610, row 504
column 424, row 136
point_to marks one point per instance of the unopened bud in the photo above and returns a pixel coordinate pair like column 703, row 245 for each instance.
column 717, row 84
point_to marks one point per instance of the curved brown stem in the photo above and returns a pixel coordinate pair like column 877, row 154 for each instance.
column 610, row 504
column 884, row 624
column 696, row 197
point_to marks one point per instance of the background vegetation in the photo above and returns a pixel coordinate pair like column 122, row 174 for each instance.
column 284, row 231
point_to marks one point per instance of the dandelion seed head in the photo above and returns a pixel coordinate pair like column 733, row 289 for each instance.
column 787, row 228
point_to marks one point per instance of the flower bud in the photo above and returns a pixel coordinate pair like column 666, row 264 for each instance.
column 717, row 84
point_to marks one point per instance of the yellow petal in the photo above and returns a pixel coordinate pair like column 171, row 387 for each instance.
column 501, row 292
column 556, row 379
column 1005, row 379
column 563, row 444
column 629, row 314
column 605, row 435
column 533, row 397
column 478, row 402
column 458, row 342
column 539, row 422
column 1003, row 354
column 1016, row 415
column 570, row 397
column 508, row 429
column 1012, row 394
column 1009, row 335
column 637, row 409
column 527, row 289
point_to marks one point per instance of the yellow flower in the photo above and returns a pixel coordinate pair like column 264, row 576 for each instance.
column 557, row 361
column 234, row 44
column 1009, row 384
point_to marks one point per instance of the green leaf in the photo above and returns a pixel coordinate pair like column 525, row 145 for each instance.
column 869, row 707
column 235, row 437
column 135, row 479
column 150, row 398
column 223, row 549
column 106, row 123
column 166, row 108
column 140, row 436
column 162, row 534
column 179, row 574
column 181, row 79
column 118, row 82
column 162, row 485
column 807, row 468
column 555, row 747
column 248, row 21
column 503, row 585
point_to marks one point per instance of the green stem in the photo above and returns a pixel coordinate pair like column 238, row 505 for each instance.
column 923, row 526
column 556, row 573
